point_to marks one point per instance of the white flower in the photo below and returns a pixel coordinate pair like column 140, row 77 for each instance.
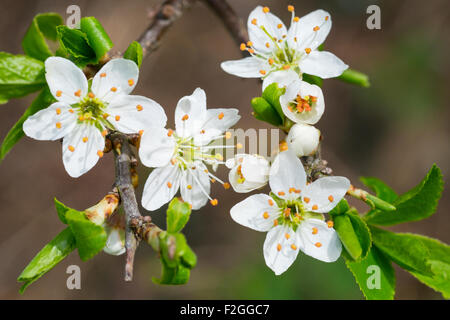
column 82, row 117
column 281, row 55
column 303, row 139
column 248, row 172
column 292, row 215
column 180, row 155
column 303, row 102
column 115, row 244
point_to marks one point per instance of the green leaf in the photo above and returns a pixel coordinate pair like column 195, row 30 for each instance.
column 19, row 76
column 265, row 112
column 43, row 100
column 417, row 204
column 134, row 53
column 272, row 95
column 76, row 45
column 406, row 250
column 53, row 253
column 366, row 275
column 312, row 79
column 382, row 190
column 97, row 37
column 61, row 209
column 355, row 77
column 173, row 276
column 341, row 208
column 347, row 235
column 178, row 215
column 43, row 26
column 90, row 238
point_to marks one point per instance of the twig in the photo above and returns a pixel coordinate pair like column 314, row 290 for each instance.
column 123, row 162
column 233, row 23
column 163, row 18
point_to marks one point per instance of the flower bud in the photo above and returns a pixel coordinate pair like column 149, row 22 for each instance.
column 115, row 244
column 248, row 172
column 303, row 139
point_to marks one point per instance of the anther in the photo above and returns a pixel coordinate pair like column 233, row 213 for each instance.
column 71, row 111
column 91, row 95
column 130, row 82
column 263, row 72
column 281, row 193
column 326, row 18
column 254, row 21
column 271, row 61
column 214, row 202
column 279, row 26
column 117, row 118
column 286, row 66
column 316, row 28
column 315, row 207
column 77, row 93
column 71, row 148
column 169, row 185
column 306, row 199
column 249, row 43
column 105, row 115
column 275, row 223
column 287, row 212
column 220, row 116
column 169, row 132
column 242, row 47
column 330, row 198
column 102, row 75
column 141, row 132
column 85, row 139
column 100, row 153
column 58, row 111
column 185, row 117
column 290, row 8
column 58, row 93
column 315, row 230
column 287, row 235
column 104, row 133
column 58, row 125
column 318, row 244
column 226, row 186
column 279, row 247
column 266, row 215
column 266, row 9
column 113, row 89
column 270, row 202
column 139, row 107
column 293, row 247
column 308, row 50
column 267, row 45
column 189, row 187
column 330, row 224
column 296, row 19
column 228, row 135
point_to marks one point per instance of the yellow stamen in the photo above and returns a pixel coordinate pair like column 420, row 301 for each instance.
column 293, row 247
column 281, row 193
column 266, row 9
column 290, row 8
column 77, row 93
column 169, row 185
column 189, row 187
column 102, row 75
column 254, row 21
column 220, row 116
column 266, row 215
column 71, row 148
column 130, row 82
column 185, row 117
column 226, row 186
column 169, row 132
column 58, row 93
column 85, row 139
column 100, row 153
column 113, row 89
column 330, row 224
column 308, row 50
column 263, row 72
column 315, row 207
column 91, row 95
column 314, row 230
column 139, row 107
column 296, row 19
column 306, row 199
column 316, row 28
column 58, row 125
column 58, row 111
column 214, row 202
column 330, row 198
column 318, row 244
column 117, row 118
column 279, row 247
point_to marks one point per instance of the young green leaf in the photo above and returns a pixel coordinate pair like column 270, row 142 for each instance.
column 265, row 112
column 173, row 276
column 97, row 37
column 178, row 215
column 90, row 238
column 406, row 250
column 43, row 26
column 53, row 253
column 374, row 275
column 76, row 45
column 381, row 189
column 341, row 208
column 362, row 232
column 134, row 53
column 272, row 95
column 417, row 204
column 355, row 77
column 43, row 100
column 19, row 76
column 312, row 79
column 61, row 209
column 347, row 235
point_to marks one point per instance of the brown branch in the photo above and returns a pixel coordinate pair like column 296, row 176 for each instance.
column 124, row 158
column 162, row 18
column 233, row 23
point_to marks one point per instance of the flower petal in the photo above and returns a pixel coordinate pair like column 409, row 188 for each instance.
column 215, row 123
column 190, row 113
column 272, row 24
column 66, row 81
column 115, row 245
column 303, row 88
column 322, row 64
column 117, row 77
column 195, row 186
column 255, row 168
column 255, row 212
column 157, row 147
column 282, row 77
column 311, row 30
column 51, row 123
column 319, row 241
column 281, row 248
column 287, row 172
column 130, row 114
column 248, row 67
column 325, row 193
column 161, row 186
column 82, row 148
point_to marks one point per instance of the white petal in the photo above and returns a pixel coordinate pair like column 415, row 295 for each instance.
column 282, row 77
column 43, row 125
column 117, row 77
column 190, row 113
column 248, row 67
column 215, row 124
column 287, row 172
column 303, row 30
column 322, row 64
column 321, row 242
column 64, row 76
column 85, row 153
column 157, row 147
column 255, row 168
column 157, row 191
column 304, row 89
column 271, row 23
column 281, row 248
column 238, row 185
column 323, row 190
column 251, row 212
column 200, row 186
column 115, row 244
column 130, row 114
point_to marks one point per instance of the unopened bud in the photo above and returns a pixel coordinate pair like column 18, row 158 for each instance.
column 102, row 210
column 248, row 172
column 115, row 244
column 303, row 139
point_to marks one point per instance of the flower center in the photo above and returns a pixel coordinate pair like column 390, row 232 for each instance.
column 293, row 212
column 91, row 110
column 302, row 104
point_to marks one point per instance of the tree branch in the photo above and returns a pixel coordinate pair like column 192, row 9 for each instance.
column 162, row 18
column 233, row 23
column 124, row 158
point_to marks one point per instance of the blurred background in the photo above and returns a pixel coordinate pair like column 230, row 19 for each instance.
column 394, row 130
